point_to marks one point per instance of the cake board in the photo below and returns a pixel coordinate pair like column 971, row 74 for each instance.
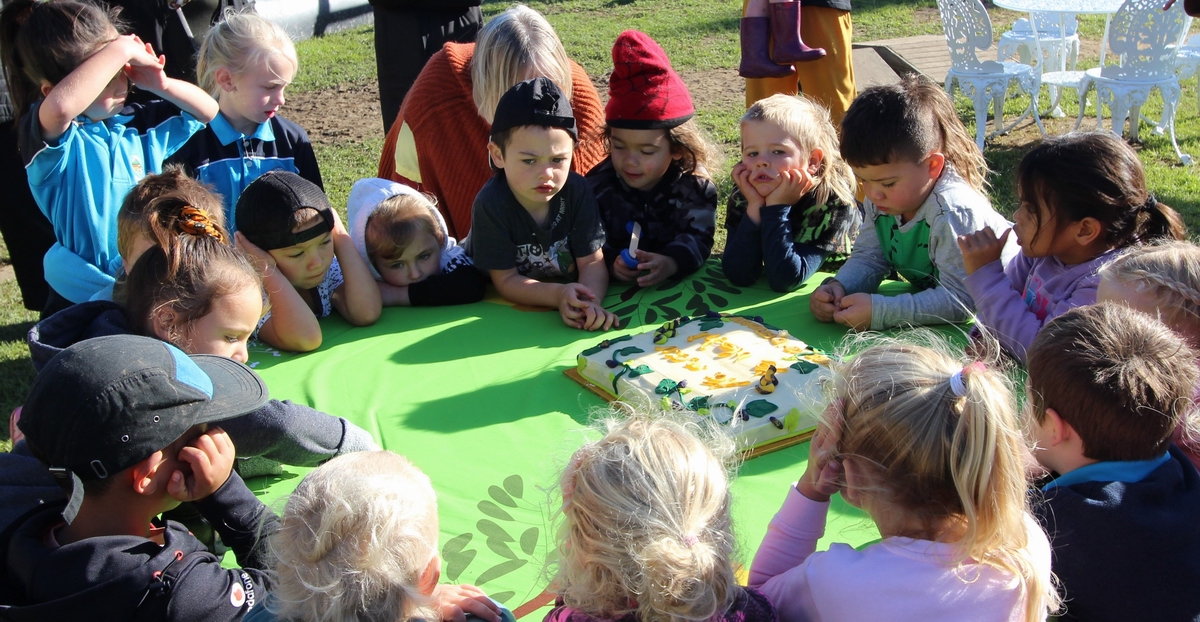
column 746, row 454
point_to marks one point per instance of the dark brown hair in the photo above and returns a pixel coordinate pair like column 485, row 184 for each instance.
column 44, row 41
column 905, row 122
column 1097, row 175
column 1121, row 378
column 154, row 203
column 188, row 269
column 394, row 223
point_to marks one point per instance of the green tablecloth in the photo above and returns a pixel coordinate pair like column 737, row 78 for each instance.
column 475, row 396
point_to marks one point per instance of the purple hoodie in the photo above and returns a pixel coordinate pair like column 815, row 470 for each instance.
column 1017, row 300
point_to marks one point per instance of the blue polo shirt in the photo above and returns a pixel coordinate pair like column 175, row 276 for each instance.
column 229, row 160
column 80, row 181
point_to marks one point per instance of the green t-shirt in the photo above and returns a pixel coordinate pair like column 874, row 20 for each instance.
column 907, row 251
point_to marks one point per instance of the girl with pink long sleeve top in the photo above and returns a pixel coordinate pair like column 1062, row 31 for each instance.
column 910, row 428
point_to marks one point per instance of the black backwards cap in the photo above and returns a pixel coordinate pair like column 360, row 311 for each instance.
column 533, row 102
column 265, row 210
column 105, row 404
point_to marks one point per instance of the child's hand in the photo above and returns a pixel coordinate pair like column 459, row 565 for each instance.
column 981, row 248
column 145, row 69
column 597, row 317
column 855, row 312
column 820, row 479
column 573, row 303
column 793, row 184
column 754, row 200
column 455, row 601
column 660, row 268
column 263, row 259
column 623, row 272
column 826, row 301
column 211, row 457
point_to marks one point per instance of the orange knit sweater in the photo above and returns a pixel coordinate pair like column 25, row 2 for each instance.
column 452, row 138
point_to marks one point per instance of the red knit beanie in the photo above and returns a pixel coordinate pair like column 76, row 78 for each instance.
column 644, row 93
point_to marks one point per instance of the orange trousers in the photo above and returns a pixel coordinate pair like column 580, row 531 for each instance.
column 829, row 80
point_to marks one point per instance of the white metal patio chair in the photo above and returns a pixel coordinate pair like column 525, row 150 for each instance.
column 968, row 28
column 1187, row 62
column 1145, row 39
column 1057, row 33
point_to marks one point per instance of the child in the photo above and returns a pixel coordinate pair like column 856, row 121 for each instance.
column 923, row 177
column 794, row 203
column 401, row 235
column 657, row 172
column 647, row 534
column 1163, row 281
column 536, row 221
column 359, row 541
column 308, row 261
column 246, row 62
column 192, row 289
column 930, row 449
column 69, row 73
column 1107, row 387
column 1083, row 199
column 125, row 424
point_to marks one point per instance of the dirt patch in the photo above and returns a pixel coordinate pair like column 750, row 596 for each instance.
column 350, row 112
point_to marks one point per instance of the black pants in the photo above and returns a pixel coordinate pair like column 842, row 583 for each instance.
column 26, row 231
column 404, row 40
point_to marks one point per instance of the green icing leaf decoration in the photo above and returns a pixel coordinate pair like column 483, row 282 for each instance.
column 698, row 403
column 666, row 386
column 760, row 408
column 640, row 370
column 711, row 324
column 804, row 367
column 627, row 351
column 792, row 420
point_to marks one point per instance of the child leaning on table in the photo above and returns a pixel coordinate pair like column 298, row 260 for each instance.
column 1107, row 388
column 794, row 202
column 923, row 178
column 535, row 227
column 647, row 535
column 69, row 71
column 403, row 238
column 1083, row 201
column 359, row 541
column 657, row 171
column 308, row 261
column 928, row 446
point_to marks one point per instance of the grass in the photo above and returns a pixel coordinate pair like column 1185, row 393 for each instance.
column 698, row 35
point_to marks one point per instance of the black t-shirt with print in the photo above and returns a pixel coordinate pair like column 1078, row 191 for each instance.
column 504, row 235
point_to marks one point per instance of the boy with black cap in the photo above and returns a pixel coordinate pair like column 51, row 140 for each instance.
column 537, row 221
column 122, row 423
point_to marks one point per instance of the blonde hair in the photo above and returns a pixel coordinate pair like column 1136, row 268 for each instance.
column 356, row 537
column 807, row 122
column 941, row 458
column 516, row 45
column 647, row 522
column 391, row 227
column 1170, row 273
column 239, row 42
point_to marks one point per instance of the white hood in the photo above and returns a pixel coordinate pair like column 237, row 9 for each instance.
column 366, row 195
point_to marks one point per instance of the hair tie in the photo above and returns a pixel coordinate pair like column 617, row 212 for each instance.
column 958, row 379
column 195, row 221
column 690, row 540
column 1150, row 204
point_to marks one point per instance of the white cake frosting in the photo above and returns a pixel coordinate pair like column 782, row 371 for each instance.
column 717, row 365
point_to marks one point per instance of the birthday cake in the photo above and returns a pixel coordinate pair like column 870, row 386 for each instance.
column 756, row 380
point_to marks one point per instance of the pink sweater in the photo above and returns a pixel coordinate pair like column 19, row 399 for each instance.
column 897, row 579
